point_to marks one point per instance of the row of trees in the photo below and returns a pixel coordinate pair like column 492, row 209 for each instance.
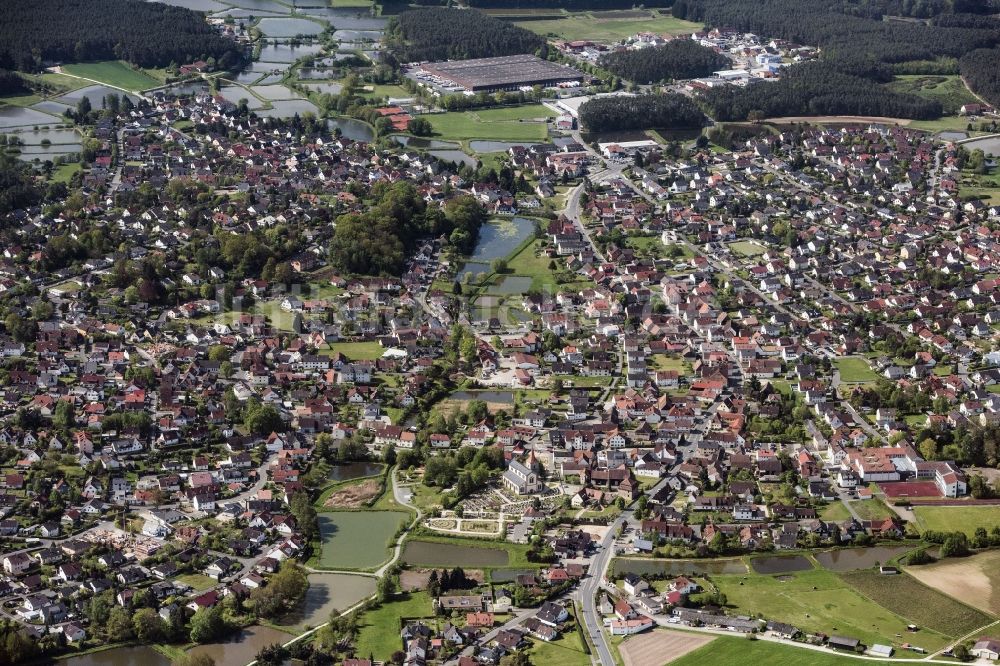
column 147, row 34
column 439, row 34
column 981, row 73
column 678, row 59
column 815, row 88
column 604, row 114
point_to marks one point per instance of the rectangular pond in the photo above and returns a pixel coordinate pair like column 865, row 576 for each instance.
column 499, row 238
column 354, row 470
column 641, row 567
column 286, row 53
column 432, row 554
column 287, row 108
column 357, row 539
column 779, row 564
column 289, row 27
column 328, row 592
column 850, row 559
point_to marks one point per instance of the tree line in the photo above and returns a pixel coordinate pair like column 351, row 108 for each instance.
column 604, row 114
column 981, row 72
column 677, row 59
column 147, row 34
column 815, row 89
column 453, row 34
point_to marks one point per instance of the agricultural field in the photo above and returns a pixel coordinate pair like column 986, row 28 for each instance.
column 379, row 632
column 974, row 580
column 855, row 370
column 726, row 651
column 661, row 646
column 949, row 90
column 929, row 609
column 957, row 518
column 820, row 601
column 610, row 26
column 115, row 73
column 516, row 123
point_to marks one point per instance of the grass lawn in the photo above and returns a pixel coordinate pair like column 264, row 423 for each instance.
column 855, row 370
column 668, row 362
column 567, row 650
column 58, row 81
column 198, row 581
column 379, row 629
column 818, row 601
column 20, row 100
column 577, row 381
column 835, row 511
column 385, row 91
column 943, row 124
column 529, row 263
column 747, row 249
column 957, row 518
column 871, row 509
column 949, row 90
column 926, row 607
column 516, row 123
column 602, row 26
column 279, row 318
column 113, row 72
column 726, row 651
column 356, row 351
column 64, row 172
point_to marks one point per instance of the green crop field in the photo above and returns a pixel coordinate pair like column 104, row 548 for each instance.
column 957, row 518
column 725, row 651
column 113, row 72
column 855, row 370
column 820, row 601
column 515, row 123
column 600, row 26
column 925, row 607
column 356, row 351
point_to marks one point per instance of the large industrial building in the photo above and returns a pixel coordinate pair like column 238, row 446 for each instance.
column 502, row 73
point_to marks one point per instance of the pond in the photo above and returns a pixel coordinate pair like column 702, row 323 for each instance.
column 343, row 18
column 357, row 35
column 499, row 238
column 325, row 88
column 286, row 53
column 242, row 648
column 264, row 5
column 42, row 153
column 235, row 93
column 990, row 146
column 275, row 92
column 456, row 156
column 95, row 94
column 512, row 284
column 952, row 136
column 16, row 116
column 123, row 656
column 779, row 564
column 431, row 554
column 187, row 88
column 483, row 146
column 287, row 108
column 422, row 143
column 849, row 559
column 289, row 27
column 357, row 539
column 31, row 137
column 354, row 470
column 313, row 73
column 328, row 592
column 48, row 106
column 678, row 567
column 352, row 129
column 504, row 397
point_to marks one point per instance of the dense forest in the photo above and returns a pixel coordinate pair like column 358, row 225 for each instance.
column 604, row 114
column 11, row 83
column 981, row 71
column 842, row 36
column 678, row 59
column 815, row 88
column 147, row 34
column 440, row 34
column 378, row 241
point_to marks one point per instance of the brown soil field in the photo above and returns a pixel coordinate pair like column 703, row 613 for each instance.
column 973, row 580
column 353, row 496
column 659, row 647
column 417, row 579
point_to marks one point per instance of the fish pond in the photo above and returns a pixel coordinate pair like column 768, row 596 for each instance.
column 328, row 592
column 123, row 656
column 779, row 564
column 643, row 567
column 354, row 470
column 357, row 539
column 850, row 559
column 433, row 554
